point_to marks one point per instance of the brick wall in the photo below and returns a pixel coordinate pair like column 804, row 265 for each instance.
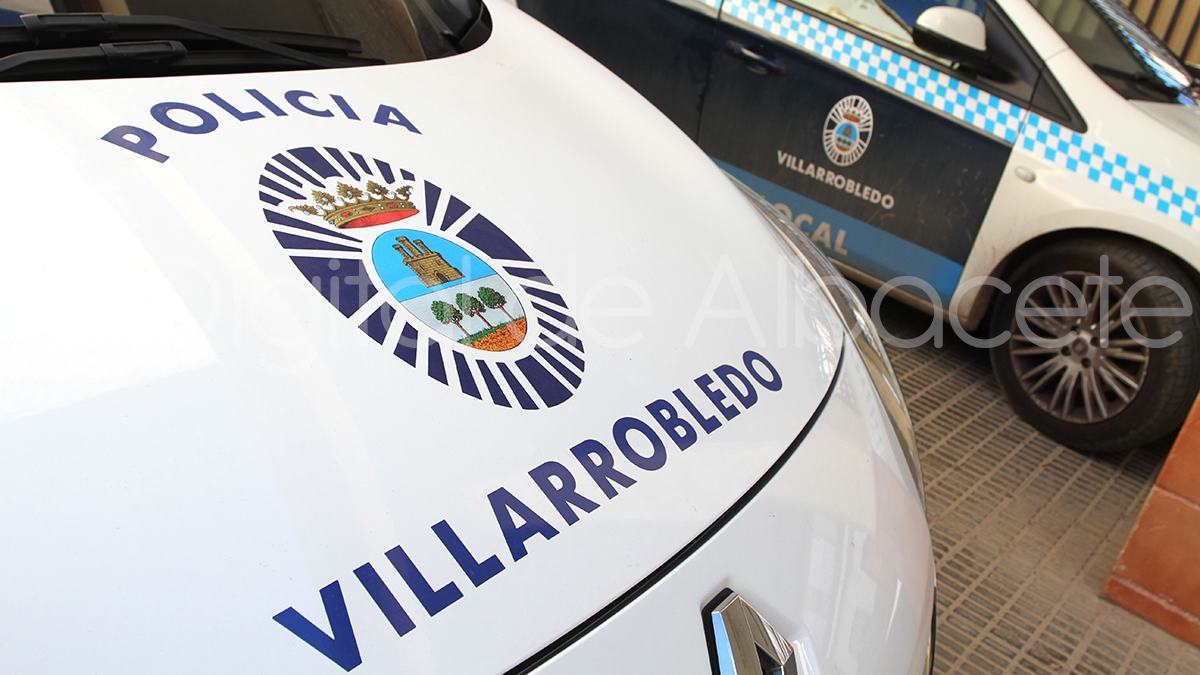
column 1158, row 573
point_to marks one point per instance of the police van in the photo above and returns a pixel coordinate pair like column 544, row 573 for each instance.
column 1025, row 169
column 372, row 337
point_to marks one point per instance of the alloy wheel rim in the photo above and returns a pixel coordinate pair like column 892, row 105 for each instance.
column 1081, row 369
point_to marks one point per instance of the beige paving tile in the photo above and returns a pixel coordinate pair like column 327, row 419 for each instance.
column 1025, row 531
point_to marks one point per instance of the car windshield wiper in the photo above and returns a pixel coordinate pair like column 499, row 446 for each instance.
column 134, row 59
column 476, row 32
column 51, row 43
column 104, row 55
column 1143, row 80
column 470, row 37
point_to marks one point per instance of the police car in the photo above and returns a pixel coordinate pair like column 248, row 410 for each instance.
column 375, row 337
column 1026, row 169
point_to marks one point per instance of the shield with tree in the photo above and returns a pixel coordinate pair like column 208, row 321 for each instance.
column 471, row 306
column 448, row 314
column 494, row 299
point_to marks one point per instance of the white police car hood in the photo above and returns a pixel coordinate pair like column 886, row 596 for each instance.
column 237, row 438
column 1182, row 119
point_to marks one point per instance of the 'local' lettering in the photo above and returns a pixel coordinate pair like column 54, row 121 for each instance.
column 833, row 239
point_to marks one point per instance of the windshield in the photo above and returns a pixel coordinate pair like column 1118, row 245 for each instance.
column 207, row 36
column 1119, row 49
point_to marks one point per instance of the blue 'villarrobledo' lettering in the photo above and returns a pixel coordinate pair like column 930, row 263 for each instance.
column 592, row 465
column 206, row 117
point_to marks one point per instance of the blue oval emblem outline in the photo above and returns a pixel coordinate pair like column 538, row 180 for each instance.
column 331, row 259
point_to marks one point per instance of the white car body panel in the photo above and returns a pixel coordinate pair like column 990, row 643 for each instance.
column 1060, row 199
column 825, row 571
column 195, row 442
column 1181, row 119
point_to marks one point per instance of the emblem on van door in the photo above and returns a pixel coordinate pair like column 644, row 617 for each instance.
column 425, row 275
column 847, row 130
column 741, row 642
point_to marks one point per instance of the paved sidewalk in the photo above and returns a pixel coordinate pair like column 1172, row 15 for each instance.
column 1025, row 530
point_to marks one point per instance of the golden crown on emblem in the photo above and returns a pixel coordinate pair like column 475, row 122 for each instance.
column 355, row 208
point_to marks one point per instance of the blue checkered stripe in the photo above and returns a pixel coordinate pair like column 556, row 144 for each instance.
column 991, row 114
column 1103, row 165
column 895, row 71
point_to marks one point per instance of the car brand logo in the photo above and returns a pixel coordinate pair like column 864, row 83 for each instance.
column 425, row 275
column 847, row 130
column 741, row 642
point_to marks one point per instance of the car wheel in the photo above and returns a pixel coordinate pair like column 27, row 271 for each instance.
column 1079, row 368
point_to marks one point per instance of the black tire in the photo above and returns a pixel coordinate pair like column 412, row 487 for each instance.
column 1072, row 410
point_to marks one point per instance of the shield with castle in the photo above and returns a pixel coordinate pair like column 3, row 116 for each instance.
column 450, row 289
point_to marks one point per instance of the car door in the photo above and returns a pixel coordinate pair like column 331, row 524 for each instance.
column 662, row 48
column 885, row 155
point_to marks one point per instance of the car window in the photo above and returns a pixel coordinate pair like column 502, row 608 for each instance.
column 358, row 32
column 889, row 19
column 1118, row 48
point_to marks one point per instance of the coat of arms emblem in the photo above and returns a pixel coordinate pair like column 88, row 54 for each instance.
column 425, row 275
column 847, row 130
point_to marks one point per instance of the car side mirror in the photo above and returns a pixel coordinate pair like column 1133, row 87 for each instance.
column 954, row 33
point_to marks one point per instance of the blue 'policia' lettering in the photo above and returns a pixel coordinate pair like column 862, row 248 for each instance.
column 202, row 117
